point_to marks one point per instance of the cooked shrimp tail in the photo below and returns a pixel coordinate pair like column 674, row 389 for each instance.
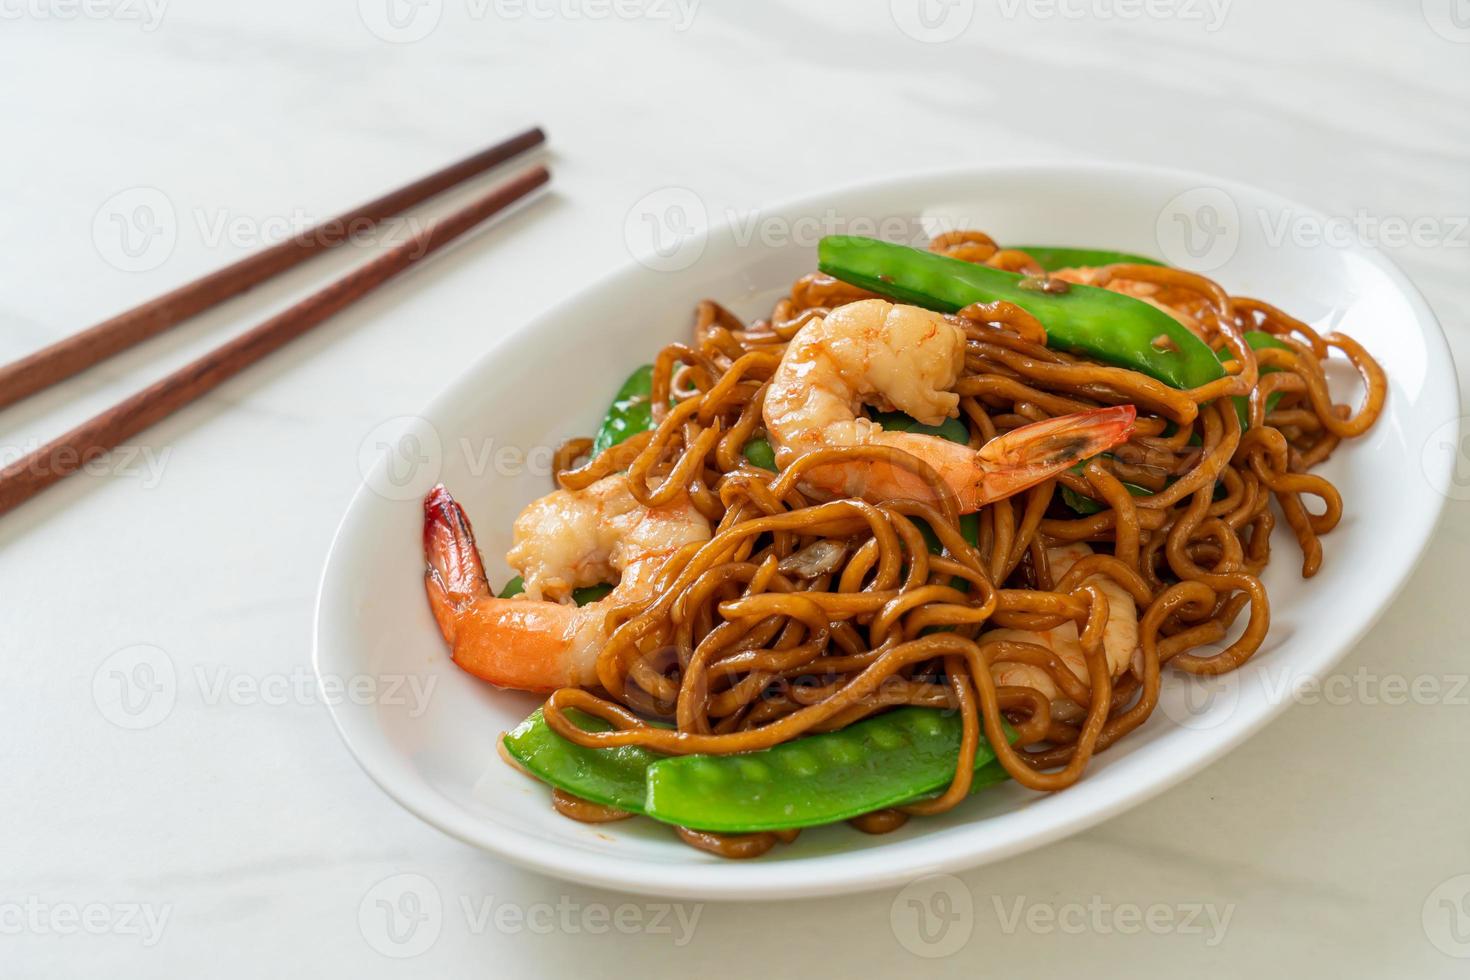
column 564, row 539
column 1026, row 456
column 455, row 576
column 909, row 359
column 508, row 642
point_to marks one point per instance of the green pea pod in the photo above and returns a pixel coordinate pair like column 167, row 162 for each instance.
column 890, row 759
column 582, row 596
column 759, row 452
column 1098, row 323
column 612, row 777
column 631, row 411
column 1054, row 257
column 955, row 431
column 1258, row 340
column 952, row 429
column 1084, row 504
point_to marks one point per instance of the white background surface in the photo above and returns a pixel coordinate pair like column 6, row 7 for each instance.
column 1333, row 840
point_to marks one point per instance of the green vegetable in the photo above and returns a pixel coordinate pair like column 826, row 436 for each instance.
column 955, row 431
column 583, row 596
column 631, row 411
column 952, row 429
column 898, row 757
column 1101, row 324
column 893, row 758
column 612, row 777
column 1258, row 340
column 1053, row 257
column 759, row 452
column 1084, row 504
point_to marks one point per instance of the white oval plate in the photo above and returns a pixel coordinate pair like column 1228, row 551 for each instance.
column 436, row 754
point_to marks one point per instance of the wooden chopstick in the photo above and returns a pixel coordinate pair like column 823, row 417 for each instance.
column 65, row 455
column 80, row 351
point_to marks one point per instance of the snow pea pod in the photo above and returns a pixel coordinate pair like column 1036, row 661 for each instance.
column 1084, row 504
column 955, row 431
column 582, row 596
column 1101, row 324
column 1258, row 340
column 612, row 777
column 952, row 429
column 1053, row 257
column 631, row 411
column 890, row 759
column 759, row 452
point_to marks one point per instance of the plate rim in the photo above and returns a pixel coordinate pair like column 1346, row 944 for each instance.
column 866, row 870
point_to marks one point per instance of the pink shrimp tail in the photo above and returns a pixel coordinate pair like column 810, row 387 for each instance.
column 455, row 577
column 1024, row 457
column 508, row 642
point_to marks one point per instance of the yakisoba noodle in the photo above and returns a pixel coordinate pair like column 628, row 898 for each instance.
column 803, row 615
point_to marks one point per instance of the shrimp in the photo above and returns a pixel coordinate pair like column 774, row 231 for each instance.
column 908, row 358
column 564, row 540
column 1120, row 636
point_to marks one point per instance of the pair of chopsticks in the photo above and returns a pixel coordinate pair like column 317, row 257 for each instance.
column 69, row 452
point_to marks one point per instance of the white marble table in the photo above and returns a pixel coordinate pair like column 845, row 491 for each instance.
column 236, row 837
